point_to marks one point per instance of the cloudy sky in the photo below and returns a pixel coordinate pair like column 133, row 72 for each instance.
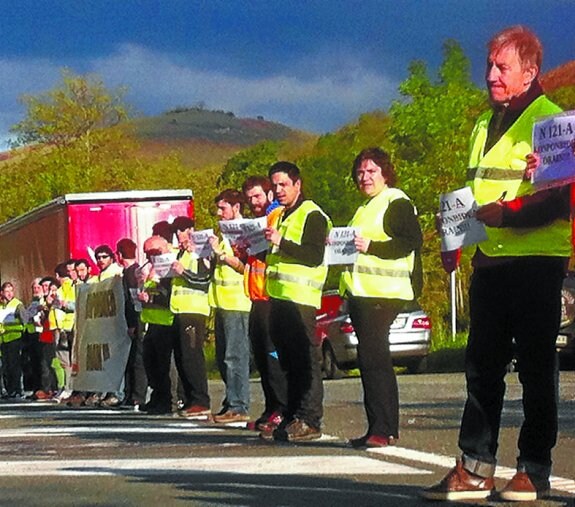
column 311, row 64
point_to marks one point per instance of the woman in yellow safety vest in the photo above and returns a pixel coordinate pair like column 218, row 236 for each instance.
column 387, row 273
column 11, row 328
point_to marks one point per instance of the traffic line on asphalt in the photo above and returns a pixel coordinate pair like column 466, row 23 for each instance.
column 62, row 431
column 281, row 465
column 38, row 410
column 557, row 483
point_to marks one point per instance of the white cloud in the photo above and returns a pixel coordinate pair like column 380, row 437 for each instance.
column 21, row 77
column 316, row 96
column 315, row 103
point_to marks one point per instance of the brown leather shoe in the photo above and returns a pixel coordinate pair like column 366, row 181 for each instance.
column 231, row 417
column 522, row 489
column 297, row 431
column 459, row 484
column 196, row 412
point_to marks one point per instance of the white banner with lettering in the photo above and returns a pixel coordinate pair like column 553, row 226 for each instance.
column 458, row 225
column 554, row 141
column 101, row 345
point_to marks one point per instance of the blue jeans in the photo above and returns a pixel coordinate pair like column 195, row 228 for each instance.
column 233, row 357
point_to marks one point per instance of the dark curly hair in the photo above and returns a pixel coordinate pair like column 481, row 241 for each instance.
column 379, row 157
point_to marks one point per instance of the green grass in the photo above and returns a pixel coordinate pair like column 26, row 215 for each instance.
column 442, row 339
column 210, row 355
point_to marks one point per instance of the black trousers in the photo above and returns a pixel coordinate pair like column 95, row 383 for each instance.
column 157, row 353
column 371, row 320
column 47, row 375
column 519, row 300
column 266, row 358
column 185, row 339
column 31, row 362
column 136, row 381
column 12, row 366
column 292, row 329
column 189, row 331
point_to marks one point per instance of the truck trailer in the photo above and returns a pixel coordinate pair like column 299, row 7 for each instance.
column 72, row 226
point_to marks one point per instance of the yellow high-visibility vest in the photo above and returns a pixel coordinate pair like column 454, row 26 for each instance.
column 372, row 276
column 185, row 299
column 67, row 292
column 154, row 313
column 286, row 278
column 11, row 329
column 499, row 172
column 227, row 288
column 112, row 270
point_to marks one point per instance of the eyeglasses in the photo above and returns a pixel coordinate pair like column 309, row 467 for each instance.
column 102, row 256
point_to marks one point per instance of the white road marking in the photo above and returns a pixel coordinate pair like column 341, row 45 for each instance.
column 94, row 430
column 281, row 465
column 313, row 465
column 557, row 483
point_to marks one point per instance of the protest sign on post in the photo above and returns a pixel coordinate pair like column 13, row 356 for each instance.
column 340, row 246
column 554, row 141
column 458, row 225
column 201, row 242
column 101, row 345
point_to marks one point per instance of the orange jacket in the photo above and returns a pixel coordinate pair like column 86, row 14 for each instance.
column 254, row 272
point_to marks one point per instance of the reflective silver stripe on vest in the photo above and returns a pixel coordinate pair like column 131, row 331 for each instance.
column 227, row 283
column 392, row 273
column 295, row 279
column 184, row 291
column 493, row 173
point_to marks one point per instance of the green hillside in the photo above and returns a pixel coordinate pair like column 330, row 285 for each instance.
column 212, row 126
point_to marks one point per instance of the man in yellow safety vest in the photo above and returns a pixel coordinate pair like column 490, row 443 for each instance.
column 515, row 293
column 295, row 275
column 232, row 309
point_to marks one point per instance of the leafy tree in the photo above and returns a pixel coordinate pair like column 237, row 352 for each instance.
column 565, row 97
column 254, row 160
column 78, row 142
column 77, row 108
column 430, row 129
column 327, row 169
column 429, row 132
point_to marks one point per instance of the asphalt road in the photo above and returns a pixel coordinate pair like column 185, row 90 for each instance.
column 53, row 455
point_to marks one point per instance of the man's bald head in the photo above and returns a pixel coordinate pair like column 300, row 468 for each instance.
column 156, row 245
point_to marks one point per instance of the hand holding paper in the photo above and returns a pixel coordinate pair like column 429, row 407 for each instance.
column 361, row 243
column 341, row 246
column 458, row 224
column 491, row 214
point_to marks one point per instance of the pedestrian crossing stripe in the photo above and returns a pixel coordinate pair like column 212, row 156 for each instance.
column 280, row 465
column 313, row 465
column 69, row 431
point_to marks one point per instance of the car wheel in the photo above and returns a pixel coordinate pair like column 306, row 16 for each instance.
column 330, row 369
column 418, row 365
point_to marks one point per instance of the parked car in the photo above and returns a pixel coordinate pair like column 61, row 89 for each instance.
column 409, row 338
column 566, row 340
